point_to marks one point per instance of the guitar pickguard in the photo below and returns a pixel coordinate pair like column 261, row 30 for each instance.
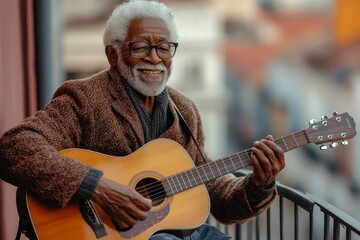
column 153, row 218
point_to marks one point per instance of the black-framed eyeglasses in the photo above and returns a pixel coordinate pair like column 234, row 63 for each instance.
column 164, row 50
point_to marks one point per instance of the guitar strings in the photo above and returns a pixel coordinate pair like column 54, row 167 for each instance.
column 155, row 188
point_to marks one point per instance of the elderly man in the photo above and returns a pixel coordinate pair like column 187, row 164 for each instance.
column 116, row 112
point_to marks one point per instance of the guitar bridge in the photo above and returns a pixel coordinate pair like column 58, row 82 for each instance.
column 88, row 212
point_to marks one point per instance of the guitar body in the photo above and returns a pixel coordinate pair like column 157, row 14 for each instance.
column 154, row 161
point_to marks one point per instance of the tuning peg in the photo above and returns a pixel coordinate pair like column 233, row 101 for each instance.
column 344, row 142
column 323, row 147
column 312, row 121
column 334, row 145
column 335, row 113
column 324, row 118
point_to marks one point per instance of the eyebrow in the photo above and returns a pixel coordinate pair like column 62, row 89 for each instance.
column 158, row 39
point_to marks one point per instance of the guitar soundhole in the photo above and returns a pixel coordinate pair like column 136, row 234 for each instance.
column 151, row 188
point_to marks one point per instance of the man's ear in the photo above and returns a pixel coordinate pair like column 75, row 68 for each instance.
column 112, row 56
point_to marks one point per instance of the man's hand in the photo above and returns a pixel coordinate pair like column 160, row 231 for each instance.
column 123, row 204
column 268, row 160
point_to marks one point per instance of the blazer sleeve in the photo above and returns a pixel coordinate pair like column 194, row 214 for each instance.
column 29, row 155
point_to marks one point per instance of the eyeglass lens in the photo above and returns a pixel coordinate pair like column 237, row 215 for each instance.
column 142, row 49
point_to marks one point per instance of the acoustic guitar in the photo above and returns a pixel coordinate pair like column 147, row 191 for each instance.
column 163, row 171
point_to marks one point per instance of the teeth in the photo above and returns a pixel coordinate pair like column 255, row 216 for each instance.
column 151, row 71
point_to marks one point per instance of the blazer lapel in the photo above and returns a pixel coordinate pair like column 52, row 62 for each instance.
column 175, row 132
column 122, row 105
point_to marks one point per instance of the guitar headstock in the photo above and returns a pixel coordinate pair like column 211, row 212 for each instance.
column 331, row 130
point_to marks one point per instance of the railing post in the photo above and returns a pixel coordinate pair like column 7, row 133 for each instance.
column 296, row 222
column 257, row 229
column 326, row 226
column 348, row 233
column 238, row 232
column 249, row 230
column 268, row 224
column 311, row 223
column 336, row 230
column 281, row 218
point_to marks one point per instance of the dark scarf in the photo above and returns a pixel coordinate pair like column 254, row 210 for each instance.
column 160, row 119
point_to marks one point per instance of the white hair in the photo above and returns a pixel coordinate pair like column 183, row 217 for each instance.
column 118, row 23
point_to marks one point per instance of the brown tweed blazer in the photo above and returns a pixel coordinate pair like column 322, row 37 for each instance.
column 96, row 113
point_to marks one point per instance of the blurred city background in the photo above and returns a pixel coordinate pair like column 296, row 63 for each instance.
column 253, row 67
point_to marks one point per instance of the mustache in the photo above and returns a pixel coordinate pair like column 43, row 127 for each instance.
column 158, row 67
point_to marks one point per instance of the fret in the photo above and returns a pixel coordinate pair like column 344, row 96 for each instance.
column 294, row 141
column 190, row 182
column 219, row 171
column 185, row 186
column 209, row 166
column 201, row 168
column 176, row 190
column 247, row 161
column 235, row 163
column 232, row 162
column 167, row 187
column 195, row 179
column 287, row 149
column 228, row 158
column 248, row 154
column 224, row 165
column 244, row 159
column 301, row 136
column 199, row 175
column 291, row 141
column 178, row 183
column 216, row 164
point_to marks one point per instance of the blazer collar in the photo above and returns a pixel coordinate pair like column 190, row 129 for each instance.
column 122, row 104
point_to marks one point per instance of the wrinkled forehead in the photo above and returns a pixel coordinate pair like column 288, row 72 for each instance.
column 148, row 27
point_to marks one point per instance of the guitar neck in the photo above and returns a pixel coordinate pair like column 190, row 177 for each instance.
column 204, row 173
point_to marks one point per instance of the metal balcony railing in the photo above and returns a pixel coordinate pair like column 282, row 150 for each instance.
column 295, row 215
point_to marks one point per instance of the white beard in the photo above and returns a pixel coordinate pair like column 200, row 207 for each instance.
column 147, row 87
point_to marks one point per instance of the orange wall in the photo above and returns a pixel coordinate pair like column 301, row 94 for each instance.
column 347, row 21
column 17, row 89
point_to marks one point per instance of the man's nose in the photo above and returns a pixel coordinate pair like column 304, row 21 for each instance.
column 153, row 57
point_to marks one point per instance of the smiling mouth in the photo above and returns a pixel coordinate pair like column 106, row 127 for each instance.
column 150, row 71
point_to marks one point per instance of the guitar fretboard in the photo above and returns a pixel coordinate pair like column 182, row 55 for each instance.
column 207, row 172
